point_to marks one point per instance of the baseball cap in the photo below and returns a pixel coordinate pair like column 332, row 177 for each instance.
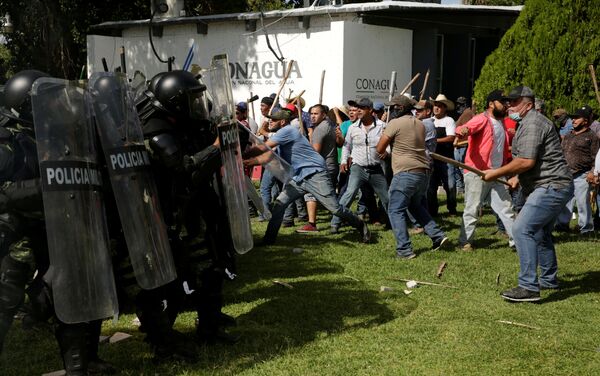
column 402, row 100
column 378, row 106
column 518, row 92
column 363, row 102
column 267, row 100
column 242, row 106
column 280, row 115
column 584, row 111
column 291, row 107
column 495, row 95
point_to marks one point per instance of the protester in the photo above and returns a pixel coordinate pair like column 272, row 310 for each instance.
column 310, row 176
column 360, row 143
column 445, row 129
column 563, row 123
column 324, row 142
column 543, row 173
column 580, row 146
column 406, row 134
column 241, row 114
column 488, row 148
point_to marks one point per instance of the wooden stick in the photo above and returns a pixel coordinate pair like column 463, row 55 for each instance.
column 284, row 284
column 518, row 324
column 424, row 283
column 285, row 77
column 408, row 85
column 466, row 167
column 391, row 95
column 424, row 85
column 593, row 73
column 252, row 103
column 321, row 88
column 440, row 270
column 297, row 97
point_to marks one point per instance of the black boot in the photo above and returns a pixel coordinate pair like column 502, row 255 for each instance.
column 72, row 341
column 13, row 277
column 167, row 343
column 209, row 301
column 97, row 366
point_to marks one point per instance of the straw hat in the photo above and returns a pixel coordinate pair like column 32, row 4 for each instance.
column 441, row 98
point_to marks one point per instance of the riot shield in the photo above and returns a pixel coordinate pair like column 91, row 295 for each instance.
column 83, row 286
column 270, row 160
column 223, row 109
column 133, row 185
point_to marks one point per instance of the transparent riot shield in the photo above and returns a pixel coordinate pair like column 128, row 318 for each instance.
column 270, row 160
column 133, row 185
column 83, row 286
column 223, row 110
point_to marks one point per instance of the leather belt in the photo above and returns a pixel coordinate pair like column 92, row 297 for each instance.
column 418, row 170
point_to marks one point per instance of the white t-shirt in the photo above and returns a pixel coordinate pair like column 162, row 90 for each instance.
column 446, row 122
column 498, row 149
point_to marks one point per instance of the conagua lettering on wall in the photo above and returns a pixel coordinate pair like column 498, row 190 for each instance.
column 262, row 73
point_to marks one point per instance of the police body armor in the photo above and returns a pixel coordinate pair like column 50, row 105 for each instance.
column 81, row 276
column 133, row 185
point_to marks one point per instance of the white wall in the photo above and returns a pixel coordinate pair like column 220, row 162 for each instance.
column 348, row 51
column 371, row 54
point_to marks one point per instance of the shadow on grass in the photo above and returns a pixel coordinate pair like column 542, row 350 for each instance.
column 285, row 320
column 576, row 284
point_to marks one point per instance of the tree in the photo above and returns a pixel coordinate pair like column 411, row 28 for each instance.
column 50, row 35
column 549, row 49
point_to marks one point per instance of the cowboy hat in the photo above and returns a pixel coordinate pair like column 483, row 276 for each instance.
column 441, row 98
column 343, row 111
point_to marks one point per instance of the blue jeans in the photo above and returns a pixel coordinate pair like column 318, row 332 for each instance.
column 270, row 188
column 358, row 176
column 459, row 155
column 584, row 208
column 320, row 186
column 532, row 233
column 407, row 191
column 440, row 175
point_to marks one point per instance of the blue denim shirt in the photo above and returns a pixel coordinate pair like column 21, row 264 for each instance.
column 298, row 152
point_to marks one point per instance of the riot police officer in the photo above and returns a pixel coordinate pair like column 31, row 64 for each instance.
column 22, row 227
column 185, row 155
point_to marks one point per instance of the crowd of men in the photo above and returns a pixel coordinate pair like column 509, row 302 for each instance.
column 393, row 155
column 529, row 170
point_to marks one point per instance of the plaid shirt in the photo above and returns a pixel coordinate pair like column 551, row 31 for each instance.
column 536, row 139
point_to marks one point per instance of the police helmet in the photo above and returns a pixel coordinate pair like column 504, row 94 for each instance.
column 182, row 95
column 17, row 99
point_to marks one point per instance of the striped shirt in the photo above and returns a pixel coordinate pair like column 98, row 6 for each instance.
column 360, row 143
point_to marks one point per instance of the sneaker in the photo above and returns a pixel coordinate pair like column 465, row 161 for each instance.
column 441, row 244
column 307, row 228
column 334, row 230
column 519, row 294
column 467, row 247
column 409, row 257
column 287, row 224
column 416, row 231
column 364, row 232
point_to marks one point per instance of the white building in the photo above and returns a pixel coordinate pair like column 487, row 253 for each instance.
column 358, row 45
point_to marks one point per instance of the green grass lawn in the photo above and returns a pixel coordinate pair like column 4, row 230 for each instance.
column 335, row 320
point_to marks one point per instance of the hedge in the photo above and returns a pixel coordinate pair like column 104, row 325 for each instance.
column 548, row 49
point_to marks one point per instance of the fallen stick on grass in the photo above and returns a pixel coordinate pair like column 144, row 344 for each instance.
column 518, row 324
column 284, row 284
column 440, row 270
column 424, row 283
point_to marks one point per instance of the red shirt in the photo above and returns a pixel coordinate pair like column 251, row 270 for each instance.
column 481, row 142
